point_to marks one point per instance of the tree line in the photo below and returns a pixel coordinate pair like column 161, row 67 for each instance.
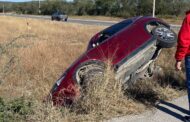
column 118, row 8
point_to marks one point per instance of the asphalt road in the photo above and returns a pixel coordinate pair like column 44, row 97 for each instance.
column 172, row 111
column 70, row 20
column 80, row 21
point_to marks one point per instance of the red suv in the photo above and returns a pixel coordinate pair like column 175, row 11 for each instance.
column 133, row 46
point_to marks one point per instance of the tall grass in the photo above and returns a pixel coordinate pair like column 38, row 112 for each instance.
column 104, row 98
column 34, row 53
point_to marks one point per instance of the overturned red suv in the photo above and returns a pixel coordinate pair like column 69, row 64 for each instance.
column 133, row 45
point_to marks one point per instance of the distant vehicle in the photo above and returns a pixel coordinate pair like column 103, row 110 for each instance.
column 134, row 44
column 59, row 16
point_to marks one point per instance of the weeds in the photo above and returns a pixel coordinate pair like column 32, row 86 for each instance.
column 11, row 58
column 104, row 98
column 17, row 109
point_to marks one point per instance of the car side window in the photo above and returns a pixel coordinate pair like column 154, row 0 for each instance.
column 56, row 13
column 102, row 37
column 118, row 27
column 105, row 34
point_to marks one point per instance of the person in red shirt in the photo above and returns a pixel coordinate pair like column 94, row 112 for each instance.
column 183, row 52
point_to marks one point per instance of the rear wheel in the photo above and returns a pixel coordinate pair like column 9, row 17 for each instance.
column 165, row 36
column 66, row 19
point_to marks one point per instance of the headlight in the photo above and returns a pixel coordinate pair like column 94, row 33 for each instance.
column 58, row 82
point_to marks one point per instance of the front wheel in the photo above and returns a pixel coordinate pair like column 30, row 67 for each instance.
column 92, row 76
column 165, row 36
column 88, row 72
column 52, row 18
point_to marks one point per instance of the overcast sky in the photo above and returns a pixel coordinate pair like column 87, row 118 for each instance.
column 23, row 0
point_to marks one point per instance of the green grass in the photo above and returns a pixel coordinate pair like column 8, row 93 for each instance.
column 15, row 110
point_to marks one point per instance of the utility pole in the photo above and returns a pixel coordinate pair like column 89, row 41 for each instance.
column 138, row 7
column 39, row 7
column 3, row 8
column 154, row 8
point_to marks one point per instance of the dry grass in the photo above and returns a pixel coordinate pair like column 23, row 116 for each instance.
column 43, row 53
column 34, row 53
column 173, row 21
column 104, row 98
column 170, row 20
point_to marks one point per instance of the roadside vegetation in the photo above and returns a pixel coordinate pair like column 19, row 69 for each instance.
column 170, row 20
column 116, row 8
column 34, row 53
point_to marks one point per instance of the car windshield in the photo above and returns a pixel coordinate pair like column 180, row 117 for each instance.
column 58, row 13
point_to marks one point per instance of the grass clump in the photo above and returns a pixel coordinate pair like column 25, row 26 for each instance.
column 16, row 109
column 104, row 98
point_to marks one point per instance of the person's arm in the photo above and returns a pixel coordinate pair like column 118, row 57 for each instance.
column 183, row 39
column 183, row 42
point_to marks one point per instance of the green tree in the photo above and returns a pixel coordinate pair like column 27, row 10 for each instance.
column 83, row 7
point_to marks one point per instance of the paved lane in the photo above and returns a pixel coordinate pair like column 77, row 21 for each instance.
column 81, row 21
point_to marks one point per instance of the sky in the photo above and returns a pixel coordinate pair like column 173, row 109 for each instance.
column 15, row 0
column 22, row 0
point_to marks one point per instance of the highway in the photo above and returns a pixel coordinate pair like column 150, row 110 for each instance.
column 80, row 21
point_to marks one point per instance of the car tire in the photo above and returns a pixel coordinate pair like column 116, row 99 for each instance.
column 166, row 38
column 66, row 19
